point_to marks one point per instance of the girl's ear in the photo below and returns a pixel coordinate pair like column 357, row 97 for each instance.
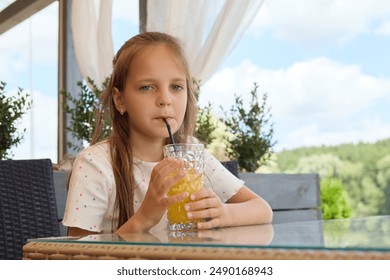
column 118, row 101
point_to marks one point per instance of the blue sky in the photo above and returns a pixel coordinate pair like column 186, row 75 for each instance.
column 325, row 66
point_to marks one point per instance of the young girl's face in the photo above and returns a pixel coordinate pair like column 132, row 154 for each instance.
column 155, row 89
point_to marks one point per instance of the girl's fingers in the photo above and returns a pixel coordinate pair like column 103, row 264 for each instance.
column 166, row 167
column 207, row 207
column 203, row 199
column 161, row 178
column 204, row 214
column 203, row 193
column 170, row 180
column 168, row 200
column 202, row 204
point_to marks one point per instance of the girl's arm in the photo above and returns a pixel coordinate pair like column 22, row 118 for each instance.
column 243, row 208
column 246, row 207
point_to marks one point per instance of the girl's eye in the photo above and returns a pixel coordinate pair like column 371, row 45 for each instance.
column 177, row 87
column 146, row 88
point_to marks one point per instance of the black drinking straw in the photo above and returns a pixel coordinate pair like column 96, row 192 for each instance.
column 169, row 131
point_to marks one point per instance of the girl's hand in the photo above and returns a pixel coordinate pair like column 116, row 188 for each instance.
column 156, row 199
column 208, row 206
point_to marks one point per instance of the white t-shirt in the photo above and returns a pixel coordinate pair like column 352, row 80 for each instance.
column 92, row 191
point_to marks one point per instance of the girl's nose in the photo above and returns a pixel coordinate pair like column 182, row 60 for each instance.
column 164, row 99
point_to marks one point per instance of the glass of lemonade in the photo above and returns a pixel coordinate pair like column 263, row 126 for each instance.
column 193, row 158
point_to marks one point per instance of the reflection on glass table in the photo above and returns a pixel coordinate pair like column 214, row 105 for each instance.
column 257, row 235
column 367, row 237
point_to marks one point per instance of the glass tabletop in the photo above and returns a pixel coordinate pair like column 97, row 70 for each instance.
column 370, row 233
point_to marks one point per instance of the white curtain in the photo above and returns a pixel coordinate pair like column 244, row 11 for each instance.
column 91, row 28
column 208, row 29
column 208, row 37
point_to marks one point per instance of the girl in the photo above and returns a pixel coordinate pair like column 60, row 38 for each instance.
column 120, row 184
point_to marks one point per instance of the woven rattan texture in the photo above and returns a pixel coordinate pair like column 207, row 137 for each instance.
column 83, row 251
column 27, row 204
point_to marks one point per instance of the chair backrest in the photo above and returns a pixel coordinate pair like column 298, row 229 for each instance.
column 61, row 190
column 27, row 204
column 232, row 166
column 292, row 197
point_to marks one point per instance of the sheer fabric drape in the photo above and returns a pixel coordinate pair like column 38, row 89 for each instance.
column 92, row 38
column 209, row 30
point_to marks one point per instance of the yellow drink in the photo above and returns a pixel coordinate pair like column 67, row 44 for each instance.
column 192, row 156
column 177, row 215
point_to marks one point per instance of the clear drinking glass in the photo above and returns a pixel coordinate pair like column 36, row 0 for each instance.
column 193, row 158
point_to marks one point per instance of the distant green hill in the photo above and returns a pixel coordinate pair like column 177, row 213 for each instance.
column 364, row 169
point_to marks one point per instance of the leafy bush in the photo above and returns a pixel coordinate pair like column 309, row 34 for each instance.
column 12, row 109
column 334, row 199
column 205, row 124
column 82, row 113
column 249, row 133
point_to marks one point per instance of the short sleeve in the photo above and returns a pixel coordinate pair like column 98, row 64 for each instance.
column 220, row 179
column 90, row 189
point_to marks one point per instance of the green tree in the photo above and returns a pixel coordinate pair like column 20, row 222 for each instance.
column 325, row 165
column 249, row 132
column 363, row 169
column 335, row 202
column 372, row 197
column 351, row 173
column 383, row 179
column 12, row 109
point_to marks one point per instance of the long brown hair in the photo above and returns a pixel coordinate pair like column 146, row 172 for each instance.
column 119, row 139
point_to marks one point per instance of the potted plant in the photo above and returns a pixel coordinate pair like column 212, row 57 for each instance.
column 248, row 133
column 205, row 124
column 12, row 109
column 82, row 113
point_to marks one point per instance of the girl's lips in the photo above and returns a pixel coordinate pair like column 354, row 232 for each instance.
column 166, row 119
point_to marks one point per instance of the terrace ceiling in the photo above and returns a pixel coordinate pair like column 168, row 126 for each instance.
column 20, row 10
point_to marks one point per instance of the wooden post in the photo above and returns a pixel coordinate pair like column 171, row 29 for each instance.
column 68, row 75
column 143, row 4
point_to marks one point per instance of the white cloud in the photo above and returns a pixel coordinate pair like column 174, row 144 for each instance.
column 319, row 22
column 323, row 87
column 321, row 84
column 383, row 29
column 313, row 102
column 370, row 130
column 315, row 135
